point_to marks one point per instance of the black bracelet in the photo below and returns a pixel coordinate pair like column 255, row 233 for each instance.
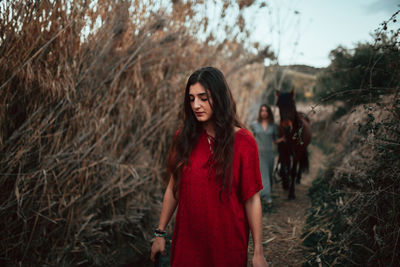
column 160, row 235
column 161, row 232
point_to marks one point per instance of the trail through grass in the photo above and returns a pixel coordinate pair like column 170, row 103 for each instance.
column 284, row 220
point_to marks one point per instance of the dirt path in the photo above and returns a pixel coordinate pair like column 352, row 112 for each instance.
column 284, row 221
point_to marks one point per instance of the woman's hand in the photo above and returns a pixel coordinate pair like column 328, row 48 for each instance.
column 254, row 216
column 259, row 260
column 280, row 140
column 158, row 246
column 168, row 207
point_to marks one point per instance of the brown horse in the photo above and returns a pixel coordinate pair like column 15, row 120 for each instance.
column 296, row 129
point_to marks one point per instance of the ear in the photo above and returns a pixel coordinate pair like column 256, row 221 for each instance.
column 292, row 93
column 277, row 93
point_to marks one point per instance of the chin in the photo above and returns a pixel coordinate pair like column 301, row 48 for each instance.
column 203, row 119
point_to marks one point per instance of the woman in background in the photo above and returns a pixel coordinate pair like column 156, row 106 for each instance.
column 266, row 133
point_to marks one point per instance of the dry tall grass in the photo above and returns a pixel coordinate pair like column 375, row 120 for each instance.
column 86, row 120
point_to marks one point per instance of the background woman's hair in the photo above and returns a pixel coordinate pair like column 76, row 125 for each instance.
column 224, row 119
column 269, row 111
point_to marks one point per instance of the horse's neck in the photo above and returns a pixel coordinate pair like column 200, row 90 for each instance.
column 297, row 120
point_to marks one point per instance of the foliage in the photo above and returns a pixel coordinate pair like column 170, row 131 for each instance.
column 360, row 75
column 354, row 218
column 355, row 213
column 90, row 92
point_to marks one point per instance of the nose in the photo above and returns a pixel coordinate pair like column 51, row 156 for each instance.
column 196, row 103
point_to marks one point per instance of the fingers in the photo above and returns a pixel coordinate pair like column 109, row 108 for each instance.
column 157, row 247
column 153, row 253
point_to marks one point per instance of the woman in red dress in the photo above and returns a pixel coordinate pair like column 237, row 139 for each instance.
column 214, row 181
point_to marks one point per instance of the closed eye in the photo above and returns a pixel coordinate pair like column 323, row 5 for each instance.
column 203, row 97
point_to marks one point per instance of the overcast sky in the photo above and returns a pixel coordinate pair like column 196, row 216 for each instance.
column 318, row 26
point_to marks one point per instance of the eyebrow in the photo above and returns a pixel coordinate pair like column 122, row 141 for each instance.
column 201, row 94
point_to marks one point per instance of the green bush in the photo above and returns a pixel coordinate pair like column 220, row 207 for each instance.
column 360, row 75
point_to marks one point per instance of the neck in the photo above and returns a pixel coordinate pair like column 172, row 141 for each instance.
column 208, row 126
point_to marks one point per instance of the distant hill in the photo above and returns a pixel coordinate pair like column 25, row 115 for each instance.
column 301, row 77
column 304, row 69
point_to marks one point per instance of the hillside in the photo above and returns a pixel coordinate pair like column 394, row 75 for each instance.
column 300, row 77
column 303, row 69
column 354, row 218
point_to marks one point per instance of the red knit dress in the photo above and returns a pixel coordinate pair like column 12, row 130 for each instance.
column 209, row 232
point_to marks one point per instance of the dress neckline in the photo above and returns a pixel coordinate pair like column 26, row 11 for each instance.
column 262, row 127
column 213, row 138
column 209, row 136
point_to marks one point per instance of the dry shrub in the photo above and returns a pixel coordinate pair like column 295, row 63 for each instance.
column 355, row 215
column 90, row 96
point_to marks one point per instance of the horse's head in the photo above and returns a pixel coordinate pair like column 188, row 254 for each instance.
column 287, row 111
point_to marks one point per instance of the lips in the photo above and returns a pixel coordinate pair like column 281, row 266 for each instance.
column 199, row 113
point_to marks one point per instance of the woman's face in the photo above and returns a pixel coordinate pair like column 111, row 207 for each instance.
column 264, row 113
column 200, row 103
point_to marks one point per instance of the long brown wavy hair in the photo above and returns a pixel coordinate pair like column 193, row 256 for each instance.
column 224, row 120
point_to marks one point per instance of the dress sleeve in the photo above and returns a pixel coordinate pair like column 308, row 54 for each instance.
column 250, row 176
